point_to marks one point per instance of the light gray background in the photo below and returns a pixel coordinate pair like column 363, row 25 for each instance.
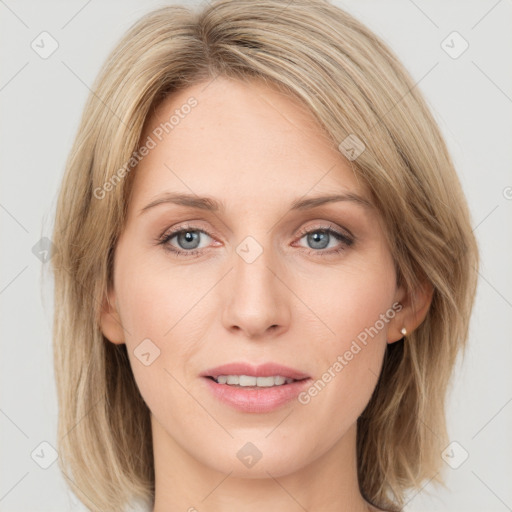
column 41, row 102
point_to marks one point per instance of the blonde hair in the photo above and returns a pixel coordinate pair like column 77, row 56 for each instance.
column 355, row 86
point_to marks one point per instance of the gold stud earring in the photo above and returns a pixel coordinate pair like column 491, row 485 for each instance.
column 404, row 331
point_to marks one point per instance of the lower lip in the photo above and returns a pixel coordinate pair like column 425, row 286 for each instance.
column 256, row 400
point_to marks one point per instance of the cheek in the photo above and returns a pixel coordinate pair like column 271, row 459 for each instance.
column 352, row 299
column 157, row 344
column 154, row 299
column 356, row 305
column 159, row 309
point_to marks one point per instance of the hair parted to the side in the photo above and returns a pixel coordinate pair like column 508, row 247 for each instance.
column 353, row 84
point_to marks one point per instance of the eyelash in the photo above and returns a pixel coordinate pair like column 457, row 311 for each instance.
column 346, row 240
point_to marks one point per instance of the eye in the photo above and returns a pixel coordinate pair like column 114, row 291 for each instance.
column 323, row 240
column 319, row 238
column 188, row 239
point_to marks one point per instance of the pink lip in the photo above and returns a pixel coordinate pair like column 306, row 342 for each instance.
column 256, row 400
column 263, row 370
column 251, row 399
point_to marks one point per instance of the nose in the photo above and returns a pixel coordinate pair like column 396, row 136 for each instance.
column 256, row 300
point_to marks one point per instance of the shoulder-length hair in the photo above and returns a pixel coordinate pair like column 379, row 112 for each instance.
column 359, row 91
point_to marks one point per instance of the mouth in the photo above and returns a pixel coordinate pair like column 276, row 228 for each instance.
column 253, row 382
column 255, row 389
column 246, row 375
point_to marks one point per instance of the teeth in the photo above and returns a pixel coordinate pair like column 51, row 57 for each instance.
column 248, row 380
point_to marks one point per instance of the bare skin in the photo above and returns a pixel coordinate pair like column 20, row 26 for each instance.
column 299, row 303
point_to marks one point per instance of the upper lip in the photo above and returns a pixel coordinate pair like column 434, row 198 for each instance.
column 262, row 370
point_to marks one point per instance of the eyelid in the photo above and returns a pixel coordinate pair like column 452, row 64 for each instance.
column 192, row 225
column 301, row 231
column 326, row 225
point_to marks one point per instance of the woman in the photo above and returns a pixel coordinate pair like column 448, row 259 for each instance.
column 265, row 272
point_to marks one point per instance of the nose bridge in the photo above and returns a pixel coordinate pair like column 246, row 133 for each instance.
column 255, row 299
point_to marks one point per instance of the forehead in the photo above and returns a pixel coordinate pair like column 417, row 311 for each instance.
column 240, row 141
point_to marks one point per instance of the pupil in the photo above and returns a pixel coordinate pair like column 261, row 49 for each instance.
column 317, row 237
column 189, row 237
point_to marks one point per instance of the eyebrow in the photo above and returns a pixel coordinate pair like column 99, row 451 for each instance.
column 211, row 204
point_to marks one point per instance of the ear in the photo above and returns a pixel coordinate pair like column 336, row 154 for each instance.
column 415, row 306
column 110, row 321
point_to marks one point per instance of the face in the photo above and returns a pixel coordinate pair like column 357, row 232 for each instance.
column 254, row 281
